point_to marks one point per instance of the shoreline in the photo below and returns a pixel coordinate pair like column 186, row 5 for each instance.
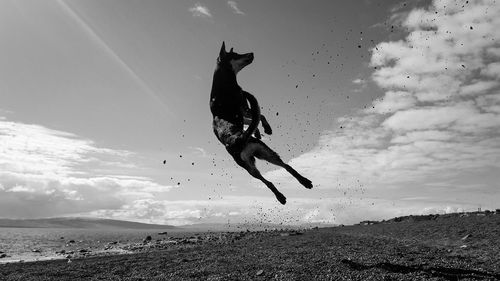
column 84, row 249
column 53, row 257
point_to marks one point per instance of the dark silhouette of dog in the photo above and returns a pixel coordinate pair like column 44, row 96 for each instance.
column 230, row 110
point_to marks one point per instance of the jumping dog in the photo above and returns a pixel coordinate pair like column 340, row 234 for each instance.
column 230, row 110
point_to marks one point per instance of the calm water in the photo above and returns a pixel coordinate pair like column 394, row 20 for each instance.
column 19, row 243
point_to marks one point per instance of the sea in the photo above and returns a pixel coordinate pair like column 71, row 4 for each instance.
column 34, row 244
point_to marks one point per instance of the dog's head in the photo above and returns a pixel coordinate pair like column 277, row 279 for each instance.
column 233, row 60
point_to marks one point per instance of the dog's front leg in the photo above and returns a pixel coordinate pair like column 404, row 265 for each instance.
column 248, row 116
column 265, row 124
column 254, row 110
column 247, row 120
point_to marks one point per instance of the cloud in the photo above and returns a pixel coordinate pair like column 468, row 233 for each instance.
column 359, row 81
column 432, row 117
column 393, row 101
column 234, row 7
column 478, row 87
column 438, row 120
column 200, row 151
column 46, row 172
column 492, row 69
column 198, row 10
column 252, row 210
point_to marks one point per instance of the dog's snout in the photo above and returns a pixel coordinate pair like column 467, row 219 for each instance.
column 250, row 57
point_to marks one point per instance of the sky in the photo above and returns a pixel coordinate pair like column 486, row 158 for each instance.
column 391, row 108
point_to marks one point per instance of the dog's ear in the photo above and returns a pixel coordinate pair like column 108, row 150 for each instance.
column 222, row 52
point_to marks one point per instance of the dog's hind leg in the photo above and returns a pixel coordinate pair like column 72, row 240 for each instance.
column 247, row 161
column 265, row 153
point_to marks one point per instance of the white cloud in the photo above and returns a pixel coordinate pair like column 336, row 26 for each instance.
column 361, row 83
column 492, row 69
column 46, row 172
column 358, row 81
column 428, row 135
column 19, row 188
column 32, row 148
column 200, row 151
column 478, row 87
column 393, row 101
column 423, row 118
column 438, row 121
column 234, row 7
column 489, row 103
column 198, row 10
column 253, row 210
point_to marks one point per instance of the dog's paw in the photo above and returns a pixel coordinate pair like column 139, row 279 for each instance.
column 306, row 183
column 281, row 198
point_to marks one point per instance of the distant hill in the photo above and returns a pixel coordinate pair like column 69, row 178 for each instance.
column 418, row 218
column 83, row 223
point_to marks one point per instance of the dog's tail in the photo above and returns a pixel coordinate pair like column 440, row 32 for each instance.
column 255, row 112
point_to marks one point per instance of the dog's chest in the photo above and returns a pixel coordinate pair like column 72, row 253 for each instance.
column 226, row 131
column 228, row 107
